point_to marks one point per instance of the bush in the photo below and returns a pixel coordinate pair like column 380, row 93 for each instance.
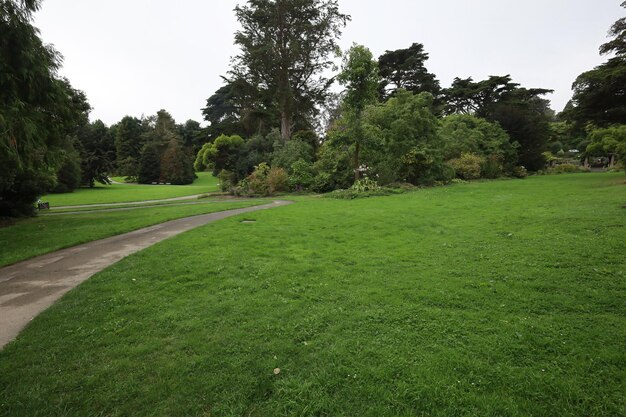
column 492, row 167
column 227, row 180
column 353, row 194
column 264, row 181
column 257, row 181
column 277, row 181
column 565, row 169
column 287, row 154
column 301, row 177
column 468, row 166
column 365, row 185
column 520, row 172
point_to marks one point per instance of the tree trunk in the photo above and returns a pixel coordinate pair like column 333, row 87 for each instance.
column 285, row 126
column 357, row 163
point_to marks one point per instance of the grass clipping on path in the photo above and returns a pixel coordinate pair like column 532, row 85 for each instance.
column 499, row 298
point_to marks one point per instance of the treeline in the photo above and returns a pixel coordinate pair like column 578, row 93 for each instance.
column 48, row 144
column 393, row 122
column 276, row 125
column 149, row 150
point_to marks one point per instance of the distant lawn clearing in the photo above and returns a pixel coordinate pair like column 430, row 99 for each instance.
column 126, row 193
column 45, row 234
column 499, row 298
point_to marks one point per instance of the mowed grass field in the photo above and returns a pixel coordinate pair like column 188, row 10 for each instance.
column 502, row 298
column 126, row 193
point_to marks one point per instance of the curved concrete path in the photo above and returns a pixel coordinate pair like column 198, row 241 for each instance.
column 29, row 287
column 164, row 200
column 136, row 207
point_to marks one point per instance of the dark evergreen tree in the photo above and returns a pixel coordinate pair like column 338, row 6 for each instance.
column 405, row 68
column 129, row 140
column 150, row 164
column 97, row 151
column 176, row 168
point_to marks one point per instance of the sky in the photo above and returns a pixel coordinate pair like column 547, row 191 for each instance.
column 135, row 57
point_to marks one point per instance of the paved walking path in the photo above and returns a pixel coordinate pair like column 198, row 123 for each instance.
column 134, row 207
column 27, row 288
column 189, row 197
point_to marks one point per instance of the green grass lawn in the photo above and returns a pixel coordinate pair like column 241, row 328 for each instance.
column 43, row 234
column 502, row 298
column 126, row 193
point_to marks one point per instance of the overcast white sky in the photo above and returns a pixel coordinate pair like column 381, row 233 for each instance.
column 134, row 57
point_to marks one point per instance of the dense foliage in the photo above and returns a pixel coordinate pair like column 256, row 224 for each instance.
column 37, row 111
column 392, row 123
column 285, row 47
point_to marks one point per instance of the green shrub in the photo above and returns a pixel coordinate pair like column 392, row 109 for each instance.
column 353, row 194
column 277, row 181
column 322, row 182
column 287, row 154
column 301, row 177
column 468, row 166
column 520, row 172
column 565, row 169
column 365, row 185
column 227, row 180
column 492, row 167
column 257, row 181
column 264, row 181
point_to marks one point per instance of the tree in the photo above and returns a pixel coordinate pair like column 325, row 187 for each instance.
column 97, row 151
column 618, row 32
column 149, row 164
column 163, row 158
column 37, row 110
column 462, row 134
column 404, row 68
column 192, row 135
column 222, row 154
column 609, row 142
column 521, row 112
column 600, row 94
column 403, row 140
column 360, row 77
column 69, row 174
column 239, row 108
column 285, row 47
column 176, row 168
column 129, row 140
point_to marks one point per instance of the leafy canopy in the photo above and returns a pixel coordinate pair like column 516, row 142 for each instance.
column 286, row 45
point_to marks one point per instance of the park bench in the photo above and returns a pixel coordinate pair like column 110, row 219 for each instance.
column 43, row 205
